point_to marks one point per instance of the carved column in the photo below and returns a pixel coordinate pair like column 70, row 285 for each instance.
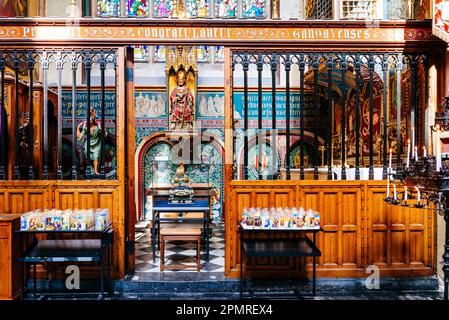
column 274, row 9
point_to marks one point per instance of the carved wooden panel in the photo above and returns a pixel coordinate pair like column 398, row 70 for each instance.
column 359, row 228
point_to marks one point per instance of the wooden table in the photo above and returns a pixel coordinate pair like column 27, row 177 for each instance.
column 180, row 234
column 276, row 247
column 201, row 206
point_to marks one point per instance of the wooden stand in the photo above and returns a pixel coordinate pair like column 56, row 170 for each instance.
column 180, row 234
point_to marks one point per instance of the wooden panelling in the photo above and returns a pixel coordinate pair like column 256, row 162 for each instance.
column 360, row 229
column 22, row 196
column 9, row 275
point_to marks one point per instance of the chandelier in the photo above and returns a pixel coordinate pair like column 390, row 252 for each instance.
column 423, row 181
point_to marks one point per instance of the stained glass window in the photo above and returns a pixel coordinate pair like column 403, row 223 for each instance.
column 137, row 8
column 159, row 53
column 108, row 8
column 142, row 53
column 226, row 8
column 254, row 8
column 360, row 9
column 197, row 8
column 163, row 8
column 219, row 54
column 319, row 9
column 203, row 54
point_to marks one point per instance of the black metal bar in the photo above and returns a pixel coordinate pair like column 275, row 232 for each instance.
column 343, row 116
column 259, row 141
column 330, row 66
column 398, row 113
column 74, row 133
column 316, row 112
column 385, row 115
column 45, row 66
column 357, row 116
column 446, row 249
column 16, row 62
column 245, row 117
column 3, row 124
column 413, row 118
column 274, row 66
column 415, row 102
column 287, row 115
column 88, row 68
column 103, row 123
column 371, row 112
column 301, row 116
column 59, row 66
column 31, row 117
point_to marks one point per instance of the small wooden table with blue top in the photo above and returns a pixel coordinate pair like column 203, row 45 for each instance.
column 164, row 206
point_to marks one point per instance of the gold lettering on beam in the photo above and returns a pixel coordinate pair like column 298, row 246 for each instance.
column 122, row 33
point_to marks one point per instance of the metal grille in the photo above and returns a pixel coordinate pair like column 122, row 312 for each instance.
column 319, row 9
column 365, row 9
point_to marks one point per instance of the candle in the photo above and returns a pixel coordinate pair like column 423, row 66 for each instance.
column 413, row 138
column 419, row 194
column 405, row 193
column 389, row 163
column 424, row 152
column 394, row 191
column 408, row 152
column 416, row 153
column 438, row 149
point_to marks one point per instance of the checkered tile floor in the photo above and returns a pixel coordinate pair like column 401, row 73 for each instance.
column 180, row 253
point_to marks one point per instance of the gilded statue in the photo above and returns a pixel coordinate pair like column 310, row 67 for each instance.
column 181, row 104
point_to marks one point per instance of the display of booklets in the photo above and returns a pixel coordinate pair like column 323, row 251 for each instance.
column 67, row 220
column 280, row 218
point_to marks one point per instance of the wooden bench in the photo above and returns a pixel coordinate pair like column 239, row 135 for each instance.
column 180, row 234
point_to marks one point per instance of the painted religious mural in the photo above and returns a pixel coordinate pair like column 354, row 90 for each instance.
column 13, row 8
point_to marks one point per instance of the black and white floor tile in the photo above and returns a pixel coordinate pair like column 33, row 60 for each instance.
column 180, row 253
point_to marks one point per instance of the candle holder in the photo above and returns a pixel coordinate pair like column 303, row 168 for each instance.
column 427, row 180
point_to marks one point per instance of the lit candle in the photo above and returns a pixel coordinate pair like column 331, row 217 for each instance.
column 408, row 152
column 416, row 153
column 419, row 194
column 405, row 193
column 424, row 152
column 413, row 138
column 438, row 149
column 394, row 191
column 389, row 163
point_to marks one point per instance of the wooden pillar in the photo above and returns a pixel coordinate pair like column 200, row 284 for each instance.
column 228, row 145
column 121, row 156
column 130, row 156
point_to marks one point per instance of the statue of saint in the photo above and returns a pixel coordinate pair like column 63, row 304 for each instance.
column 95, row 139
column 181, row 104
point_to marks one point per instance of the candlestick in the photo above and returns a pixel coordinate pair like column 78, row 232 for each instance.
column 416, row 153
column 413, row 138
column 405, row 193
column 408, row 152
column 394, row 191
column 419, row 194
column 424, row 152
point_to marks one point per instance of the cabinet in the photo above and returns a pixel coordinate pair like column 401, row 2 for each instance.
column 9, row 256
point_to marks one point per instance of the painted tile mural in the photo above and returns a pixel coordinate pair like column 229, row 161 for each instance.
column 151, row 117
column 150, row 104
